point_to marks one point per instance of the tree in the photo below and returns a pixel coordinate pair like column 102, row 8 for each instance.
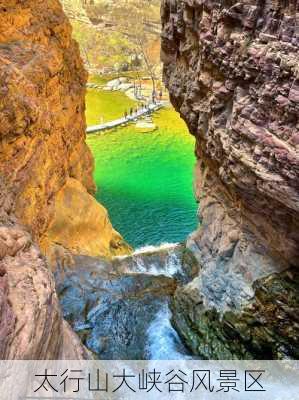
column 123, row 32
column 139, row 21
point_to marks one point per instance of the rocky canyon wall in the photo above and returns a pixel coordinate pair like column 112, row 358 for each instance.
column 44, row 160
column 31, row 323
column 46, row 184
column 232, row 72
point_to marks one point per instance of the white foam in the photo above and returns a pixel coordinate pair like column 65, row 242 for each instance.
column 163, row 341
column 155, row 249
column 168, row 266
column 149, row 249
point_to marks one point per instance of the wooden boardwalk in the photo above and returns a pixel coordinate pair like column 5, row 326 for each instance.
column 123, row 121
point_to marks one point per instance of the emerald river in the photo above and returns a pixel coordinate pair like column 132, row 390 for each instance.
column 145, row 180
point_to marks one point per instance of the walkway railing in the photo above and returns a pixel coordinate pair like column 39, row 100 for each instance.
column 123, row 121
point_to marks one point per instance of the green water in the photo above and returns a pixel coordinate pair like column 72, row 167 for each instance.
column 99, row 106
column 145, row 179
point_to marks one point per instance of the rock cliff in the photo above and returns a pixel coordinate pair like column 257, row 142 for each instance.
column 46, row 185
column 43, row 156
column 31, row 323
column 232, row 71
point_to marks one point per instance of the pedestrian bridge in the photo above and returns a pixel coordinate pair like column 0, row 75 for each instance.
column 123, row 121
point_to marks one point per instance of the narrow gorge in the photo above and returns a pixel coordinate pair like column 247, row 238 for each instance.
column 71, row 287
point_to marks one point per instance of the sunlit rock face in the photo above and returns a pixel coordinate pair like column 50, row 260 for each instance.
column 46, row 183
column 42, row 149
column 232, row 72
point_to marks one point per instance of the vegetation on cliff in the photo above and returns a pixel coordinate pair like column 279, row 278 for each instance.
column 232, row 72
column 117, row 35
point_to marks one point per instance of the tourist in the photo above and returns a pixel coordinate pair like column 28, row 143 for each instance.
column 148, row 110
column 154, row 95
column 135, row 90
column 126, row 115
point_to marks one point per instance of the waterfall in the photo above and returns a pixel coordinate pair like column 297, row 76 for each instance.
column 154, row 260
column 163, row 341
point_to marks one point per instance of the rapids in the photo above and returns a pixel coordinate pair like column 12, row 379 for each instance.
column 121, row 309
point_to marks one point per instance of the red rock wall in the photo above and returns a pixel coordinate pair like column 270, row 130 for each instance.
column 41, row 107
column 42, row 129
column 45, row 178
column 232, row 71
column 31, row 323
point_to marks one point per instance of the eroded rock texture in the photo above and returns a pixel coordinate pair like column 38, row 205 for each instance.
column 46, row 183
column 42, row 129
column 31, row 323
column 33, row 327
column 232, row 71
